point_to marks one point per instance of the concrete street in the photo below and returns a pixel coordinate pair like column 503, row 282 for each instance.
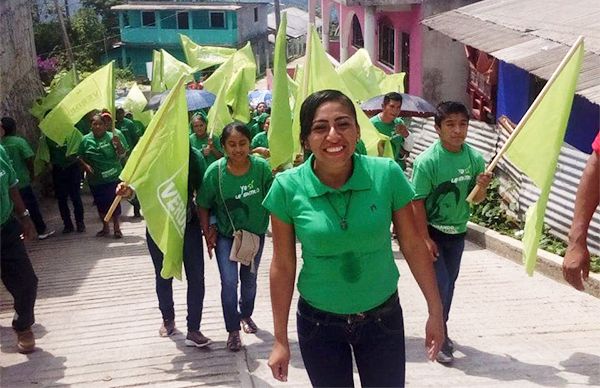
column 97, row 323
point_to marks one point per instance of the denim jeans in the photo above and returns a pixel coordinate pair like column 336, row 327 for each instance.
column 17, row 274
column 31, row 204
column 229, row 283
column 67, row 181
column 327, row 342
column 193, row 262
column 447, row 266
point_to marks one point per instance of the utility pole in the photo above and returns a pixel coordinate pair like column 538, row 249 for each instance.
column 66, row 39
column 277, row 15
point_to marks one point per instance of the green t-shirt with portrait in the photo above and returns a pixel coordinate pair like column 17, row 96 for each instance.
column 200, row 143
column 58, row 154
column 130, row 130
column 8, row 179
column 351, row 270
column 444, row 179
column 260, row 140
column 101, row 155
column 19, row 151
column 243, row 196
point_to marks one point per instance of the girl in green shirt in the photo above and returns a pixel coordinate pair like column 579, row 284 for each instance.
column 340, row 205
column 233, row 190
column 202, row 141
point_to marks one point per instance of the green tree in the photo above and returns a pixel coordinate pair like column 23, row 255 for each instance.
column 48, row 38
column 88, row 34
column 102, row 9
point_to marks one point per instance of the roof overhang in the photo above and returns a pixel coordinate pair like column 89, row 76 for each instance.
column 175, row 7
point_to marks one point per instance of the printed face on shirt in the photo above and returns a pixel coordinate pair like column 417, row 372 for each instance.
column 237, row 146
column 453, row 131
column 98, row 126
column 334, row 133
column 199, row 127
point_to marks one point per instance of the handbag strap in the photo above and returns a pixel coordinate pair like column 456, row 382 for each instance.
column 221, row 192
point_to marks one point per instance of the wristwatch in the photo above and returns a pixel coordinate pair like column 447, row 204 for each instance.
column 24, row 214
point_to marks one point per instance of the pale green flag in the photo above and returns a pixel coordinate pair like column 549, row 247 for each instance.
column 218, row 115
column 392, row 83
column 135, row 102
column 202, row 57
column 158, row 172
column 97, row 91
column 59, row 91
column 173, row 68
column 156, row 84
column 42, row 156
column 536, row 148
column 318, row 74
column 281, row 139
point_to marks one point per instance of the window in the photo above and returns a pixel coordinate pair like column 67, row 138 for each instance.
column 125, row 18
column 148, row 19
column 357, row 36
column 217, row 19
column 255, row 14
column 405, row 59
column 183, row 21
column 387, row 53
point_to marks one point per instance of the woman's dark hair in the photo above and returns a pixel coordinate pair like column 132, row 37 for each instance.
column 235, row 126
column 447, row 108
column 10, row 126
column 313, row 102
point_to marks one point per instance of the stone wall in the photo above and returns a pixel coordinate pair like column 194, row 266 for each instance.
column 20, row 83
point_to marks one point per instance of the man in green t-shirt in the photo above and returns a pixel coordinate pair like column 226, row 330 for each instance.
column 389, row 123
column 17, row 273
column 443, row 176
column 22, row 156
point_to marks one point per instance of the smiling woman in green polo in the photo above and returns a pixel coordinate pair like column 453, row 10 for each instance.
column 340, row 206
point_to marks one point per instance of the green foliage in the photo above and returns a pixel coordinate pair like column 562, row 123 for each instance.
column 123, row 76
column 88, row 38
column 102, row 9
column 48, row 38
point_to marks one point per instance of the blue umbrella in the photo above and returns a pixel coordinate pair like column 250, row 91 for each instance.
column 196, row 99
column 411, row 105
column 257, row 96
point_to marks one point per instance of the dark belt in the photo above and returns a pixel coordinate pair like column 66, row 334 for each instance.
column 319, row 316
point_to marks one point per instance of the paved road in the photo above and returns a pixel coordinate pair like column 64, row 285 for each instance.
column 98, row 319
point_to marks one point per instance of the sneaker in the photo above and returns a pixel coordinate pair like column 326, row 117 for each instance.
column 45, row 235
column 68, row 229
column 80, row 227
column 25, row 341
column 234, row 342
column 249, row 326
column 197, row 339
column 167, row 328
column 444, row 356
column 450, row 345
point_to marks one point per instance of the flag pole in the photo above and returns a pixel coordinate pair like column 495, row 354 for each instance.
column 118, row 198
column 528, row 114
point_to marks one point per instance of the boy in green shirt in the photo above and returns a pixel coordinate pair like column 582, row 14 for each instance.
column 443, row 176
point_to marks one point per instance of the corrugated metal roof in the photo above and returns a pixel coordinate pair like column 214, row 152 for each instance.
column 175, row 7
column 532, row 34
column 297, row 21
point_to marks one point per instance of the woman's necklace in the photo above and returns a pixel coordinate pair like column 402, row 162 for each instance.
column 343, row 219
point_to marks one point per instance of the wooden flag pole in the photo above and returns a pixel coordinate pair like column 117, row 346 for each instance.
column 528, row 114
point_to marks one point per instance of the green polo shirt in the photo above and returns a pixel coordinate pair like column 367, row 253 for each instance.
column 19, row 151
column 200, row 143
column 130, row 130
column 243, row 196
column 445, row 179
column 260, row 140
column 8, row 179
column 352, row 270
column 102, row 156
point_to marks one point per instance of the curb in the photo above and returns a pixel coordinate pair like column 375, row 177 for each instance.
column 548, row 263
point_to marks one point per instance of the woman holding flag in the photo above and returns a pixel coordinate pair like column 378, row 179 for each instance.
column 233, row 190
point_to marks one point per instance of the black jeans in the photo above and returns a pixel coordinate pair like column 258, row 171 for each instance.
column 31, row 204
column 67, row 182
column 376, row 338
column 17, row 274
column 193, row 261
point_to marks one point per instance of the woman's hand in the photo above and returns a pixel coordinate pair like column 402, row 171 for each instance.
column 434, row 335
column 279, row 360
column 124, row 191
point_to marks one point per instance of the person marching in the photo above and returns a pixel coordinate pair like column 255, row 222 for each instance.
column 340, row 205
column 443, row 176
column 260, row 142
column 200, row 139
column 388, row 122
column 233, row 190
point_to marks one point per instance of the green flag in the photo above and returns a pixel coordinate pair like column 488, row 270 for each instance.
column 218, row 115
column 318, row 74
column 135, row 102
column 62, row 88
column 157, row 85
column 158, row 171
column 536, row 147
column 173, row 69
column 97, row 91
column 392, row 83
column 202, row 57
column 281, row 140
column 42, row 156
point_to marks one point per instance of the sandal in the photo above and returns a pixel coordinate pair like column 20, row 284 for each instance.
column 118, row 234
column 102, row 233
column 249, row 326
column 234, row 342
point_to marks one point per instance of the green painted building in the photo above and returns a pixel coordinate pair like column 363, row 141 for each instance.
column 147, row 26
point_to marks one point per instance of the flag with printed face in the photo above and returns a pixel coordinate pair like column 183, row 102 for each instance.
column 97, row 91
column 202, row 57
column 536, row 147
column 62, row 88
column 158, row 172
